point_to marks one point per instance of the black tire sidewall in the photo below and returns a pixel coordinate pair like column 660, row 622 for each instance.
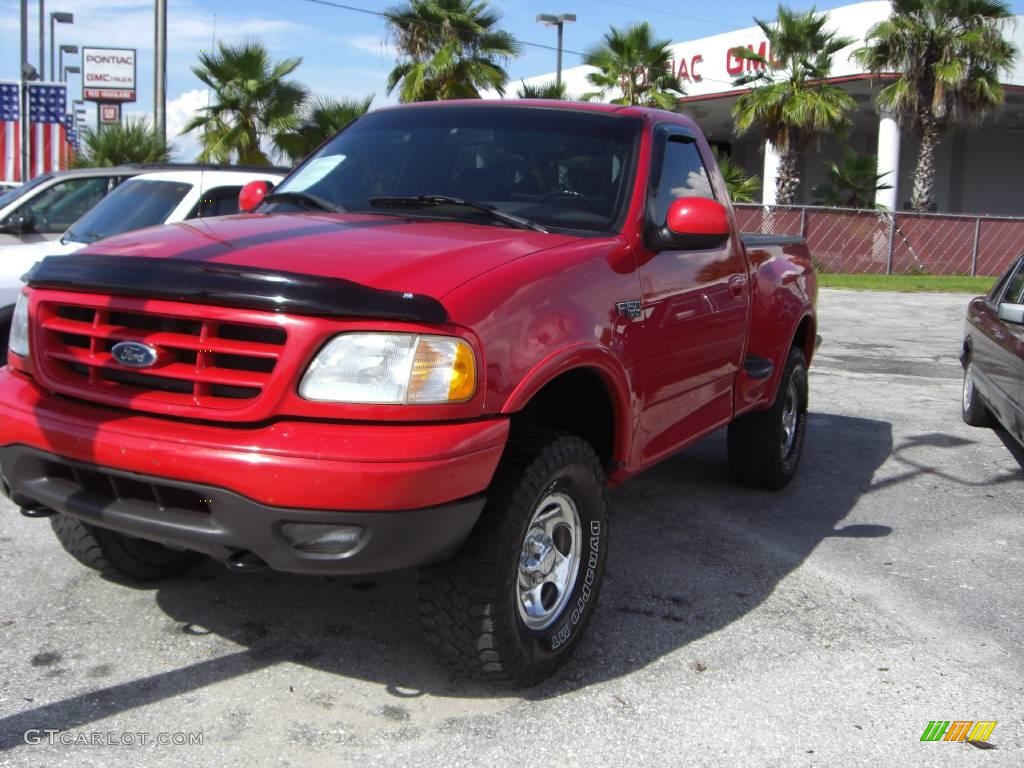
column 546, row 647
column 976, row 413
column 796, row 370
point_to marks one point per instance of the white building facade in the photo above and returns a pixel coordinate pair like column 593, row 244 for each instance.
column 978, row 170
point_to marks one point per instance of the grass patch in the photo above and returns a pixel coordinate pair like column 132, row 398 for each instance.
column 909, row 283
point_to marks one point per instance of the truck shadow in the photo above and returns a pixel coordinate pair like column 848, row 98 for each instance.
column 691, row 554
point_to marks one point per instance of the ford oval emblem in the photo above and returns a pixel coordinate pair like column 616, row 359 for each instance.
column 134, row 354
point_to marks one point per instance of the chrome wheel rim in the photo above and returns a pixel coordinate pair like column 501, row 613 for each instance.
column 549, row 561
column 790, row 417
column 968, row 387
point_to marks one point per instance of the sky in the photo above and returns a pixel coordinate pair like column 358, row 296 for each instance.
column 345, row 53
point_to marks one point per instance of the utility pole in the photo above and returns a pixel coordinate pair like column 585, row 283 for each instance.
column 558, row 21
column 160, row 77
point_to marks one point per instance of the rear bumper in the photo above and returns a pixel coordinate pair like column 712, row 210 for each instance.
column 220, row 523
column 415, row 490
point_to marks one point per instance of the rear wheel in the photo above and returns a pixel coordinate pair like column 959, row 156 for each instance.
column 512, row 604
column 117, row 555
column 972, row 409
column 765, row 446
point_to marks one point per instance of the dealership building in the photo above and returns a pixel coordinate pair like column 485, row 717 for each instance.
column 979, row 170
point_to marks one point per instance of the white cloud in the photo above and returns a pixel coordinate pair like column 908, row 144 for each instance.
column 179, row 112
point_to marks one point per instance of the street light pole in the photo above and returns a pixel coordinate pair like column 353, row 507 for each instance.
column 558, row 21
column 23, row 65
column 160, row 71
column 65, row 49
column 60, row 18
column 42, row 49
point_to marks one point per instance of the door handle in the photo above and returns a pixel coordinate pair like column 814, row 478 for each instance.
column 737, row 285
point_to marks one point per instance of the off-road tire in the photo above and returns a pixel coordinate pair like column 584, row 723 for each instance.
column 5, row 338
column 972, row 409
column 469, row 605
column 119, row 556
column 758, row 456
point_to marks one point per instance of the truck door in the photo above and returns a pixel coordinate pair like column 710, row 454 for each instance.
column 695, row 309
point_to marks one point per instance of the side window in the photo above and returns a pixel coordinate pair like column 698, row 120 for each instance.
column 64, row 203
column 219, row 201
column 1014, row 293
column 682, row 175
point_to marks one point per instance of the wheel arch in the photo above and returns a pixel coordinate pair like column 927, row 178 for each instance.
column 583, row 391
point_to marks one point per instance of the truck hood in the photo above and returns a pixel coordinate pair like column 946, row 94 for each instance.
column 382, row 251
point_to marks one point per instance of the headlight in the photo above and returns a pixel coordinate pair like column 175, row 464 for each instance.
column 393, row 368
column 19, row 327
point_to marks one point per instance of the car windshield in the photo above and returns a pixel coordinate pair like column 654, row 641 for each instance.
column 135, row 204
column 11, row 195
column 560, row 169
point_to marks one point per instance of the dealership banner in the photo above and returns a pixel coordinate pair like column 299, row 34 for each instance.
column 10, row 132
column 108, row 74
column 48, row 143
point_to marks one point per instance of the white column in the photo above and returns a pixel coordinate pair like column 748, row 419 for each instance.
column 771, row 174
column 888, row 160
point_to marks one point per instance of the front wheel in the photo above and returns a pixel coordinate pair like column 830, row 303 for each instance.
column 512, row 604
column 116, row 555
column 765, row 446
column 972, row 409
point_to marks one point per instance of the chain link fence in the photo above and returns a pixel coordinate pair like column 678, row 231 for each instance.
column 881, row 242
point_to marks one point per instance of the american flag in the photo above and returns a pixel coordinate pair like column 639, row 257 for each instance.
column 72, row 134
column 47, row 147
column 10, row 133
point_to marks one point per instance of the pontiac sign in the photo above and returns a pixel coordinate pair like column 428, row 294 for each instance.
column 108, row 74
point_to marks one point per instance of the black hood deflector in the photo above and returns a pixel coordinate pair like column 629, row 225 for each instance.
column 231, row 285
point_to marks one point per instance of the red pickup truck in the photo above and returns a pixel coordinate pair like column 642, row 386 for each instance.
column 435, row 344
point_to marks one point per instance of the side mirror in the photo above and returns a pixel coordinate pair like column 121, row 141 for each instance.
column 252, row 195
column 19, row 223
column 692, row 224
column 1012, row 313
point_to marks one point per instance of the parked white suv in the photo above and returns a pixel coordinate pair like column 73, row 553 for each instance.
column 146, row 200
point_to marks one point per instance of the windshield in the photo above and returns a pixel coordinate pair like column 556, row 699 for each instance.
column 559, row 168
column 11, row 195
column 135, row 204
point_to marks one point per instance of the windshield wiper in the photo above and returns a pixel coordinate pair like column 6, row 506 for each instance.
column 304, row 197
column 428, row 201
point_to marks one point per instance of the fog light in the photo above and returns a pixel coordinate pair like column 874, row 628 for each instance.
column 317, row 539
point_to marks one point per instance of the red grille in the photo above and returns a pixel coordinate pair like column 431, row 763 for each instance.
column 204, row 362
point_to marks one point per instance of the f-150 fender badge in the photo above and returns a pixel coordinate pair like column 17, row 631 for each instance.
column 134, row 354
column 631, row 309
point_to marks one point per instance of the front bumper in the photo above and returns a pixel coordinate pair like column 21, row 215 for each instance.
column 416, row 490
column 223, row 524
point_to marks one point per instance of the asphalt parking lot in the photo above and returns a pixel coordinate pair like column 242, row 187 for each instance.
column 825, row 625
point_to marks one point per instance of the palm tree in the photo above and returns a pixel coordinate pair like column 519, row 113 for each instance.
column 134, row 141
column 788, row 101
column 741, row 185
column 635, row 65
column 448, row 49
column 852, row 184
column 321, row 118
column 545, row 91
column 948, row 55
column 253, row 102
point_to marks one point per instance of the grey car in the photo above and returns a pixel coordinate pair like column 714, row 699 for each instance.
column 43, row 208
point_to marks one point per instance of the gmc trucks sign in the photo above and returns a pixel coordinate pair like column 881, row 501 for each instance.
column 108, row 74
